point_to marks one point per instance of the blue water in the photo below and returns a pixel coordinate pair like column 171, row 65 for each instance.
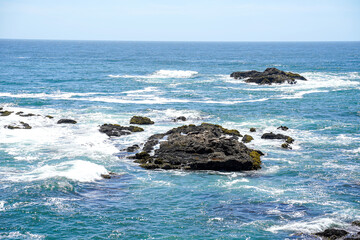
column 50, row 184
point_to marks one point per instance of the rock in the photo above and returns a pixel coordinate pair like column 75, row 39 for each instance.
column 332, row 233
column 181, row 118
column 21, row 114
column 203, row 147
column 289, row 140
column 269, row 76
column 356, row 223
column 252, row 129
column 141, row 120
column 117, row 130
column 21, row 126
column 67, row 121
column 272, row 135
column 108, row 175
column 247, row 138
column 5, row 113
column 284, row 128
column 286, row 146
column 49, row 116
column 133, row 148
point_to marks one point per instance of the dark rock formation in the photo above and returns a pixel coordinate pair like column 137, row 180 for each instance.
column 141, row 120
column 108, row 175
column 67, row 121
column 203, row 147
column 21, row 126
column 116, row 130
column 21, row 114
column 356, row 223
column 332, row 233
column 286, row 146
column 289, row 140
column 133, row 148
column 247, row 138
column 284, row 128
column 5, row 113
column 272, row 135
column 252, row 129
column 269, row 76
column 181, row 118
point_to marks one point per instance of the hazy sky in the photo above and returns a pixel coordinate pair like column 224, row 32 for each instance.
column 182, row 20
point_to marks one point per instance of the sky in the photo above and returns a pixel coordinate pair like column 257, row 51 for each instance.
column 184, row 20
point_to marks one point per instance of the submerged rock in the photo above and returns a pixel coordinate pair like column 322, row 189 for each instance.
column 252, row 129
column 116, row 130
column 269, row 76
column 203, row 147
column 21, row 114
column 67, row 121
column 141, row 120
column 21, row 126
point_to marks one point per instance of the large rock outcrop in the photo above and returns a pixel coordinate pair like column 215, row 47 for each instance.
column 203, row 147
column 269, row 76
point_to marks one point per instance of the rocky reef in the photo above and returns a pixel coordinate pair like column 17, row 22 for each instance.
column 203, row 147
column 269, row 76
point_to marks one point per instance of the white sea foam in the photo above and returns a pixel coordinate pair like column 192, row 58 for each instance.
column 54, row 95
column 162, row 74
column 18, row 235
column 2, row 206
column 309, row 227
column 78, row 170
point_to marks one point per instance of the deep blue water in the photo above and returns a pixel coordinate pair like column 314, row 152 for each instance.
column 50, row 184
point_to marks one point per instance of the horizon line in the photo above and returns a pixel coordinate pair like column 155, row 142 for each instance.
column 205, row 41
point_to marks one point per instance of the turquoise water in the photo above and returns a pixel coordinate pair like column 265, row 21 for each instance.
column 50, row 184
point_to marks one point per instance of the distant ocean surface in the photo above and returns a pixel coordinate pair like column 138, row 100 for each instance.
column 50, row 183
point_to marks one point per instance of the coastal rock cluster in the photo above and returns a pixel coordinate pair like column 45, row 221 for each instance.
column 269, row 76
column 203, row 147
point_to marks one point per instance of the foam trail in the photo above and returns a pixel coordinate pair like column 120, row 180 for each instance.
column 161, row 74
column 77, row 170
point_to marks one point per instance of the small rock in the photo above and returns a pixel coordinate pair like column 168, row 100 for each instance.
column 252, row 129
column 106, row 176
column 22, row 126
column 181, row 118
column 116, row 130
column 247, row 138
column 133, row 148
column 5, row 113
column 284, row 128
column 67, row 121
column 286, row 146
column 141, row 120
column 332, row 233
column 49, row 116
column 356, row 223
column 272, row 135
column 289, row 140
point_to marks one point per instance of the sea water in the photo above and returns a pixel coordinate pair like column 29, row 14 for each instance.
column 50, row 176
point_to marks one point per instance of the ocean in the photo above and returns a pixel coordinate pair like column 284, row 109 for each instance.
column 50, row 176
